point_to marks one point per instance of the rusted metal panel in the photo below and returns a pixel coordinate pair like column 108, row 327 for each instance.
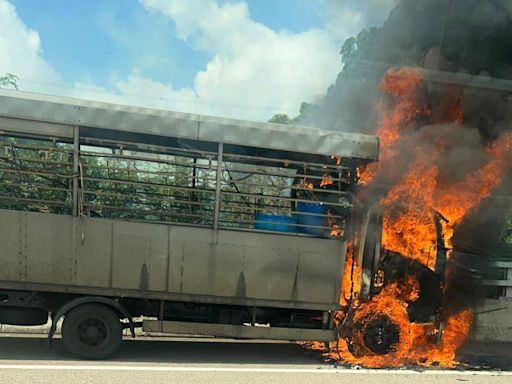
column 238, row 331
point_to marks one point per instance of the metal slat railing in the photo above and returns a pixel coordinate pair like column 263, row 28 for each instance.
column 35, row 175
column 506, row 281
column 122, row 180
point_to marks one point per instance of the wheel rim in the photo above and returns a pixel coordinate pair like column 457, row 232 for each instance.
column 93, row 332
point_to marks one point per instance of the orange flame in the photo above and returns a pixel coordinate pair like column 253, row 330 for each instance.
column 450, row 109
column 408, row 225
column 326, row 180
column 416, row 346
column 351, row 283
column 402, row 85
column 417, row 342
column 456, row 200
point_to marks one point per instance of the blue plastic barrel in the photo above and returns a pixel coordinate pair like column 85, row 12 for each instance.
column 312, row 220
column 279, row 223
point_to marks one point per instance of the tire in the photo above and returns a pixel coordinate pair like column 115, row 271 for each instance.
column 377, row 335
column 381, row 335
column 92, row 331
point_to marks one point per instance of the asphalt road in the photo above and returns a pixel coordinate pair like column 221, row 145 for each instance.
column 25, row 360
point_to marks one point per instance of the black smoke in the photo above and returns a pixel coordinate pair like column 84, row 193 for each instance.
column 467, row 42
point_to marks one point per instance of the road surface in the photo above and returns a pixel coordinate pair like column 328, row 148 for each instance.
column 25, row 360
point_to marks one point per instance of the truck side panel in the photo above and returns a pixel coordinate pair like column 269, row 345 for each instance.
column 93, row 255
column 139, row 256
column 158, row 258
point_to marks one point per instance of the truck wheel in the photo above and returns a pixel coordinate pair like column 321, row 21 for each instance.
column 381, row 335
column 375, row 336
column 92, row 331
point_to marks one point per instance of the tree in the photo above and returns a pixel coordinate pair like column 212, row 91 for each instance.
column 9, row 80
column 354, row 48
column 281, row 118
column 304, row 112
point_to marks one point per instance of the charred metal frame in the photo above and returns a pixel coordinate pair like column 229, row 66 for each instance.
column 369, row 250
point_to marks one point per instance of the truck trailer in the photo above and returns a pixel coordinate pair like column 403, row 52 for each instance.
column 116, row 217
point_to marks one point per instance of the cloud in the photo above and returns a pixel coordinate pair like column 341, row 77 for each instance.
column 20, row 50
column 347, row 18
column 140, row 91
column 254, row 71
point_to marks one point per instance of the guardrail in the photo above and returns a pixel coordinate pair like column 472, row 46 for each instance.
column 505, row 282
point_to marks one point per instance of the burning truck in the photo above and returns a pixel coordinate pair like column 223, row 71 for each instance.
column 227, row 228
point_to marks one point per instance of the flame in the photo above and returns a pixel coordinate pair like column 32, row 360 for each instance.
column 402, row 86
column 408, row 226
column 408, row 222
column 417, row 342
column 456, row 200
column 392, row 301
column 336, row 231
column 351, row 282
column 450, row 110
column 416, row 346
column 326, row 180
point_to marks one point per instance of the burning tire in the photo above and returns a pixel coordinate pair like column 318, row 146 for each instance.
column 380, row 327
column 378, row 335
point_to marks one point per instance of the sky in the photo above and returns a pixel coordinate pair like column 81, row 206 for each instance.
column 245, row 59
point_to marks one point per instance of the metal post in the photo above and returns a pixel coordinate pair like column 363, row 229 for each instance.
column 194, row 196
column 508, row 289
column 253, row 320
column 76, row 178
column 162, row 309
column 218, row 187
column 443, row 32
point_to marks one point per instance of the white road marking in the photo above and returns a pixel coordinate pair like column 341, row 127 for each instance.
column 338, row 371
